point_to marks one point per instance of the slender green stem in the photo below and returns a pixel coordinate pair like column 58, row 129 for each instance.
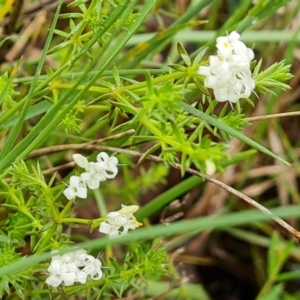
column 74, row 75
column 68, row 86
column 157, row 80
column 76, row 221
column 35, row 223
column 47, row 236
column 65, row 210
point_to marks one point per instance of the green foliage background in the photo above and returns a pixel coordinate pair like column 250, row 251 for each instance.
column 104, row 82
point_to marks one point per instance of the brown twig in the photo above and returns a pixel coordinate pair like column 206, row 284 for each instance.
column 228, row 188
column 271, row 116
column 88, row 145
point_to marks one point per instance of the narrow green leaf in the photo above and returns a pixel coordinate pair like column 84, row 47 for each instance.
column 184, row 55
column 33, row 111
column 59, row 47
column 71, row 15
column 273, row 259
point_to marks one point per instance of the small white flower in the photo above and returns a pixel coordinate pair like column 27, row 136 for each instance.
column 111, row 226
column 73, row 267
column 93, row 177
column 95, row 172
column 107, row 164
column 228, row 73
column 231, row 45
column 93, row 267
column 76, row 188
column 118, row 223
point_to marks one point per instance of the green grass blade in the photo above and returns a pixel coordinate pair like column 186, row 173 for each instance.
column 32, row 112
column 186, row 226
column 165, row 198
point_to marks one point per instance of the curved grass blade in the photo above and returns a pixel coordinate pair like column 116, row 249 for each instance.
column 184, row 227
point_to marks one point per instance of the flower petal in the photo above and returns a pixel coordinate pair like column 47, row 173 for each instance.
column 68, row 278
column 81, row 161
column 75, row 181
column 55, row 266
column 81, row 277
column 97, row 275
column 69, row 193
column 111, row 172
column 102, row 157
column 54, row 280
column 105, row 227
column 82, row 192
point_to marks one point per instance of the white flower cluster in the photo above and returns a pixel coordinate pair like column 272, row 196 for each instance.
column 95, row 172
column 228, row 73
column 73, row 267
column 119, row 222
